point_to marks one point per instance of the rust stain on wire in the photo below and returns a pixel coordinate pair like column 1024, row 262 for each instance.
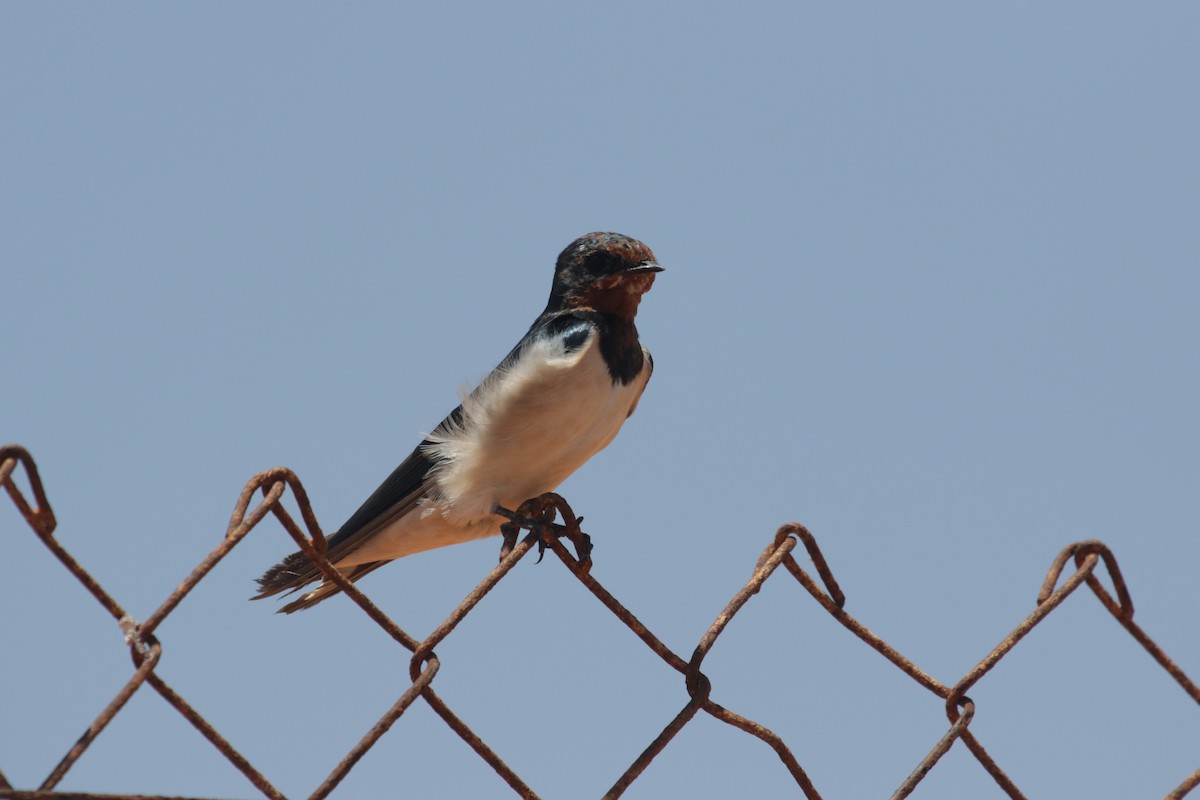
column 538, row 517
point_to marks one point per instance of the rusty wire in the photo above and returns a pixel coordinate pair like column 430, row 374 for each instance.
column 537, row 516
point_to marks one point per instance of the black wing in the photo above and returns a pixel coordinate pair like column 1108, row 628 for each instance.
column 399, row 493
column 405, row 481
column 394, row 498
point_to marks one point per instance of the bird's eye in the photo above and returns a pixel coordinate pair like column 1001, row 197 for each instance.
column 601, row 263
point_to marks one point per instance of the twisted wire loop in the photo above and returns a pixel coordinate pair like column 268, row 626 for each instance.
column 538, row 517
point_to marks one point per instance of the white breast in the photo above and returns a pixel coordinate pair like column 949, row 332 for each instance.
column 526, row 433
column 522, row 434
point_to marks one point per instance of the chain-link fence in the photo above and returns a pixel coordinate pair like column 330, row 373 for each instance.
column 537, row 516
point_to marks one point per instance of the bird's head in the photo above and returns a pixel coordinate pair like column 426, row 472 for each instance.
column 607, row 272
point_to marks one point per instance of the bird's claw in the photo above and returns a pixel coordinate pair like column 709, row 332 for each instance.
column 583, row 548
column 544, row 524
column 509, row 531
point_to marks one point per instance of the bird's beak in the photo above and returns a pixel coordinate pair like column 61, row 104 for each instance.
column 649, row 266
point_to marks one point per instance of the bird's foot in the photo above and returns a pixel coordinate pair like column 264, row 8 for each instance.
column 509, row 531
column 537, row 515
column 582, row 542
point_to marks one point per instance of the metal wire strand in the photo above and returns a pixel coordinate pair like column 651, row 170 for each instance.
column 538, row 517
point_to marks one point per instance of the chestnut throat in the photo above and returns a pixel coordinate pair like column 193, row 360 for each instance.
column 615, row 301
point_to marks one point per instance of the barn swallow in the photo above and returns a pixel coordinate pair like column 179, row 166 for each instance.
column 556, row 400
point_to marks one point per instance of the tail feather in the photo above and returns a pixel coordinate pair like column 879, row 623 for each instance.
column 288, row 575
column 297, row 571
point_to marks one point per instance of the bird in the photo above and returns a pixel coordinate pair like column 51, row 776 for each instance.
column 558, row 398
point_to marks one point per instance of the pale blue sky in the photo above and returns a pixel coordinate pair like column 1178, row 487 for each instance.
column 932, row 290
